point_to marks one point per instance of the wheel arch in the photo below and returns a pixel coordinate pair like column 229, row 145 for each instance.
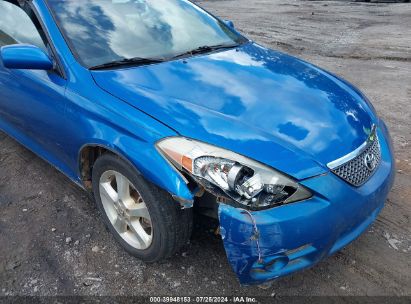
column 88, row 155
column 175, row 185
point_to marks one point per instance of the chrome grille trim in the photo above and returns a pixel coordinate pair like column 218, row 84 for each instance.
column 352, row 167
column 346, row 158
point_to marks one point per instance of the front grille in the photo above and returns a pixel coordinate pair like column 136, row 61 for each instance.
column 355, row 171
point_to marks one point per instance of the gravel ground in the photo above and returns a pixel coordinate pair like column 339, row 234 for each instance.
column 53, row 242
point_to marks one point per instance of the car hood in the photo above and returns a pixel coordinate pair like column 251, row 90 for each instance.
column 257, row 102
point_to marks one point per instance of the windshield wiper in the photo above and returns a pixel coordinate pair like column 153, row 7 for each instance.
column 142, row 61
column 205, row 49
column 126, row 62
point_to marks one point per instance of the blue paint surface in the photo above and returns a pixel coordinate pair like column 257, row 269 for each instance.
column 299, row 235
column 257, row 102
column 260, row 103
column 25, row 57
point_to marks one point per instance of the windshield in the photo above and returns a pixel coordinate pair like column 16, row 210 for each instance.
column 103, row 31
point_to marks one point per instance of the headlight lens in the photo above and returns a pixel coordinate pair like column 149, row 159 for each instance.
column 244, row 180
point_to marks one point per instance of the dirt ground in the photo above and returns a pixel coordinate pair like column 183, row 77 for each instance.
column 53, row 242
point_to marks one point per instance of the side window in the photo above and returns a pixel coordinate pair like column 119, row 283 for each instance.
column 16, row 27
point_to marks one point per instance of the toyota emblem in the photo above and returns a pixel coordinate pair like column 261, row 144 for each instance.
column 370, row 161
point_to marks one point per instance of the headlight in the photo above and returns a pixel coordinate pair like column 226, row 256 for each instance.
column 244, row 180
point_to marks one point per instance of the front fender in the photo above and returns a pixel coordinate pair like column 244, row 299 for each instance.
column 147, row 162
column 99, row 119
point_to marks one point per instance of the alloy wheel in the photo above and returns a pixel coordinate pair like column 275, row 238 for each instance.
column 126, row 209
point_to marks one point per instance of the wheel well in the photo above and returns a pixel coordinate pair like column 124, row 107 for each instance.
column 88, row 156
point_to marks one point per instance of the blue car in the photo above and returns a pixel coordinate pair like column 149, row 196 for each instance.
column 159, row 108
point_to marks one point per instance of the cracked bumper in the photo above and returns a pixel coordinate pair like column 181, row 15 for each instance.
column 265, row 245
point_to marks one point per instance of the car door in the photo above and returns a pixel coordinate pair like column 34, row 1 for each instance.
column 32, row 102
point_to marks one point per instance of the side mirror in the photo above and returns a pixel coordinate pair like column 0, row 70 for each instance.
column 26, row 57
column 229, row 23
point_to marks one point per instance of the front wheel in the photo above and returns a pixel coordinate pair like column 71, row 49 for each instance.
column 143, row 218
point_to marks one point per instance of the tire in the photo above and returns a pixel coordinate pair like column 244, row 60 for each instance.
column 168, row 228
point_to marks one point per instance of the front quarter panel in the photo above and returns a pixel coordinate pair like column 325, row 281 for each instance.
column 96, row 118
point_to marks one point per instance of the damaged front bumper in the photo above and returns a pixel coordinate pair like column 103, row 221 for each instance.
column 264, row 245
